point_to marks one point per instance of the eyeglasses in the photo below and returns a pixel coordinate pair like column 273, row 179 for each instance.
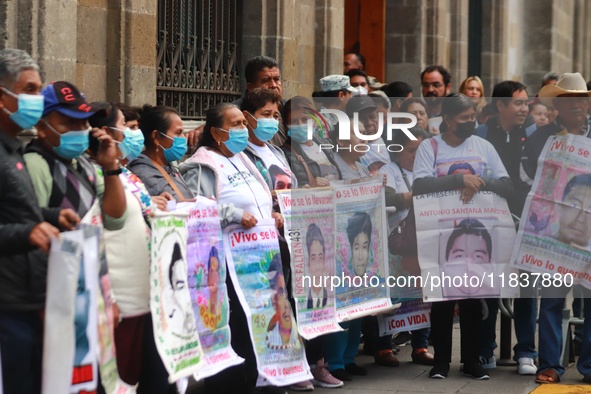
column 436, row 85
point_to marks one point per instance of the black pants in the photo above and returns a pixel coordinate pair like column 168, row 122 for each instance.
column 442, row 315
column 240, row 378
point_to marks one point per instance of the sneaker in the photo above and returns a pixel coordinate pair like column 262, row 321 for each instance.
column 354, row 369
column 488, row 363
column 341, row 375
column 476, row 371
column 439, row 371
column 526, row 366
column 402, row 338
column 306, row 385
column 323, row 378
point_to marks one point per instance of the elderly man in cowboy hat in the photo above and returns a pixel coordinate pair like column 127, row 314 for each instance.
column 570, row 97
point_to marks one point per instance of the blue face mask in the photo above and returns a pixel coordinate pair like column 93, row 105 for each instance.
column 30, row 109
column 238, row 140
column 177, row 150
column 266, row 128
column 132, row 144
column 72, row 144
column 298, row 132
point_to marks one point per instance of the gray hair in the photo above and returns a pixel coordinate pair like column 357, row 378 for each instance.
column 551, row 76
column 12, row 63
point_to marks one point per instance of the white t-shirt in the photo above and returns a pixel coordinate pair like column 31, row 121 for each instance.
column 240, row 187
column 327, row 169
column 396, row 181
column 269, row 158
column 378, row 152
column 474, row 156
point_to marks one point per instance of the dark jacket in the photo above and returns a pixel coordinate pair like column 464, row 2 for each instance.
column 23, row 269
column 155, row 182
column 297, row 155
column 510, row 151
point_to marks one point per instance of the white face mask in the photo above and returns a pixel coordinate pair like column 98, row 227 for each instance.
column 361, row 91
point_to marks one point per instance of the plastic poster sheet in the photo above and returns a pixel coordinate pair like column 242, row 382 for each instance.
column 206, row 264
column 361, row 249
column 174, row 323
column 71, row 327
column 309, row 232
column 254, row 265
column 412, row 315
column 555, row 231
column 464, row 250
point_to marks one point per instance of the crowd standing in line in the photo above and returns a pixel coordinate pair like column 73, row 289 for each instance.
column 131, row 161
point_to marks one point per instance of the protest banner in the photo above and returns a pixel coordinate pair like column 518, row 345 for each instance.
column 206, row 264
column 361, row 249
column 463, row 248
column 254, row 265
column 412, row 315
column 309, row 232
column 71, row 327
column 175, row 330
column 554, row 236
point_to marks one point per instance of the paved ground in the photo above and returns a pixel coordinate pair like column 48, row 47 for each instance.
column 412, row 378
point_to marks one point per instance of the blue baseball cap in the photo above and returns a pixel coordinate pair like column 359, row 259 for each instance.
column 66, row 99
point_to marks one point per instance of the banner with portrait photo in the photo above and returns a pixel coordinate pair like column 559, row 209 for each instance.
column 555, row 230
column 254, row 265
column 309, row 232
column 463, row 248
column 412, row 315
column 206, row 264
column 175, row 330
column 71, row 327
column 361, row 249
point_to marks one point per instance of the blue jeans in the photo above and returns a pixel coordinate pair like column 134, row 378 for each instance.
column 420, row 338
column 340, row 348
column 525, row 314
column 550, row 335
column 488, row 334
column 21, row 345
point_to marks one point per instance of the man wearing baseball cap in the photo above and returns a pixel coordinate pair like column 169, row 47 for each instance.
column 61, row 175
column 335, row 92
column 367, row 113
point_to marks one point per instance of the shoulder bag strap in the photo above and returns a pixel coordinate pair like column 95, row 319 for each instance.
column 169, row 180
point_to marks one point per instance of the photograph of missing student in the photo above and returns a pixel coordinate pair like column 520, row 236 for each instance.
column 467, row 256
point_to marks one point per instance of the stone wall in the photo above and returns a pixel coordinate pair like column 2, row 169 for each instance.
column 305, row 36
column 106, row 47
column 521, row 40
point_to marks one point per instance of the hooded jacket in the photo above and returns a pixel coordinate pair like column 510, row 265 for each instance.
column 201, row 175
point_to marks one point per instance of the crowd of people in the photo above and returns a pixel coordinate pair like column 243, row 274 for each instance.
column 133, row 161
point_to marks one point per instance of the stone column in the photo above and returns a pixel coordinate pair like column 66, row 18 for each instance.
column 538, row 40
column 138, row 52
column 458, row 43
column 405, row 42
column 494, row 42
column 304, row 36
column 91, row 49
column 57, row 38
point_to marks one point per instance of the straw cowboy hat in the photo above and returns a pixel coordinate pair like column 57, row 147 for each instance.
column 568, row 83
